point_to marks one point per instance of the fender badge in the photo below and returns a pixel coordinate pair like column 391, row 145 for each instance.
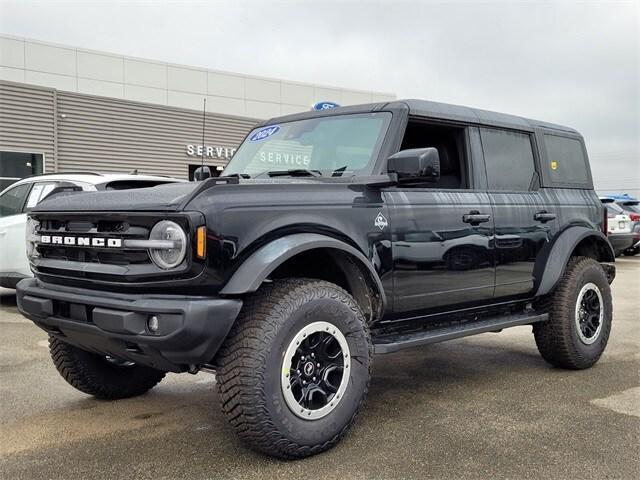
column 381, row 222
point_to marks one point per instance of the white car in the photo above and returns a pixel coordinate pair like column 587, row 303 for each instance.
column 619, row 226
column 19, row 198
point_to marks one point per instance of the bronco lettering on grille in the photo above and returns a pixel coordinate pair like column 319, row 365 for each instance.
column 81, row 241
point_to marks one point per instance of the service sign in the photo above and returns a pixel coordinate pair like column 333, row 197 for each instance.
column 211, row 151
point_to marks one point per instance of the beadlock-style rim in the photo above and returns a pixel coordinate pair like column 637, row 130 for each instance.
column 589, row 314
column 315, row 370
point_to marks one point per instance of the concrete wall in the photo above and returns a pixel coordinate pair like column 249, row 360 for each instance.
column 78, row 70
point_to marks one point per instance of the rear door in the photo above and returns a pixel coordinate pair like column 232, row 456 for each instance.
column 524, row 221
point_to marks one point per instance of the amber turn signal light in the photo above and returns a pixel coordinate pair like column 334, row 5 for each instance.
column 201, row 242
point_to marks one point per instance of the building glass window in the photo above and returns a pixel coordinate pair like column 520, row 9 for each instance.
column 17, row 165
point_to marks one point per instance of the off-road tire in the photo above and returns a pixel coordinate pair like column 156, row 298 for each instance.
column 557, row 339
column 250, row 362
column 95, row 375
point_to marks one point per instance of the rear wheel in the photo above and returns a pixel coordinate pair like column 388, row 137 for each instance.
column 580, row 311
column 294, row 370
column 101, row 376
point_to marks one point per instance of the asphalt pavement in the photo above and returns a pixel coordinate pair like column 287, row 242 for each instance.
column 482, row 407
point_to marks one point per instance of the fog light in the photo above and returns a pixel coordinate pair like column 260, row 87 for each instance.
column 152, row 324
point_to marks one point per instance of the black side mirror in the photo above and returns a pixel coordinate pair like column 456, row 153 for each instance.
column 201, row 173
column 415, row 165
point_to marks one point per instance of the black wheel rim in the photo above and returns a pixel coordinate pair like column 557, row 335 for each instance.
column 315, row 370
column 589, row 313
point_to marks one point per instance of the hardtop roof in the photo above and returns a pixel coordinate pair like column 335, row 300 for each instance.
column 436, row 111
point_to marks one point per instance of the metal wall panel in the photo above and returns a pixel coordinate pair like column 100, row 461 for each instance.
column 112, row 135
column 27, row 120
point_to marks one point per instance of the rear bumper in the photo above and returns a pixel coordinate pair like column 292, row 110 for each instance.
column 190, row 329
column 621, row 241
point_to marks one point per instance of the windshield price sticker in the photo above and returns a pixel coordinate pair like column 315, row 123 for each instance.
column 263, row 133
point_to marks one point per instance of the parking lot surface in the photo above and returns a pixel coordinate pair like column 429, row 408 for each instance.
column 481, row 407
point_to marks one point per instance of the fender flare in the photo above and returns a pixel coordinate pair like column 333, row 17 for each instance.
column 552, row 263
column 259, row 265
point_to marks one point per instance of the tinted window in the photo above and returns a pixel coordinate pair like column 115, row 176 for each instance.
column 566, row 160
column 12, row 200
column 508, row 157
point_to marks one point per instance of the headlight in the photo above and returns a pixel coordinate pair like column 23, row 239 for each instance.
column 31, row 237
column 171, row 257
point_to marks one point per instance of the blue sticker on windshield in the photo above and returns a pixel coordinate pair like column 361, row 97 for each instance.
column 263, row 133
column 324, row 106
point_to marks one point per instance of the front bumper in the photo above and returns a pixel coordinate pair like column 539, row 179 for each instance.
column 190, row 329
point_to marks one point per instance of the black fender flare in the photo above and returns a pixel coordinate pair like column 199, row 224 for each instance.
column 259, row 265
column 550, row 265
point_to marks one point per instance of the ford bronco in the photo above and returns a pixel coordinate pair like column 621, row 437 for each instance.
column 331, row 236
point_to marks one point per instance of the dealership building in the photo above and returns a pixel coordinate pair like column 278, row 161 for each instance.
column 68, row 109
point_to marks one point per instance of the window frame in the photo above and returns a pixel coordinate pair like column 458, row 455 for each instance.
column 29, row 152
column 474, row 182
column 535, row 182
column 544, row 178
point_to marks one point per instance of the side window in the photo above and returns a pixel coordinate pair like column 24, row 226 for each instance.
column 12, row 200
column 38, row 192
column 452, row 150
column 567, row 163
column 508, row 157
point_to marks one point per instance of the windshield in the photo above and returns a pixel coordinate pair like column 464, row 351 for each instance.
column 340, row 145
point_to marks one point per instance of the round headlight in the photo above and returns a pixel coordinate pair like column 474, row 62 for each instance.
column 169, row 256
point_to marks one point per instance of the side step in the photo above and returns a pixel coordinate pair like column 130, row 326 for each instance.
column 393, row 342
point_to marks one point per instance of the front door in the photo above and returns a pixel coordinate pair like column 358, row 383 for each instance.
column 441, row 246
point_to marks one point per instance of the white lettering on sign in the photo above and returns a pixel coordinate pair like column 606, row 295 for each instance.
column 211, row 151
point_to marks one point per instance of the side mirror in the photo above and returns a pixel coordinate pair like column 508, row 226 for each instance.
column 415, row 165
column 201, row 173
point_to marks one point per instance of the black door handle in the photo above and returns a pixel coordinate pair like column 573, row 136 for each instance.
column 544, row 216
column 475, row 217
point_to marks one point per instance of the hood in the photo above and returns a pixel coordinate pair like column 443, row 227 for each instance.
column 169, row 197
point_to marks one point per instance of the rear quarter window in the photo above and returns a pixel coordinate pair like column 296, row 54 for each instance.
column 566, row 162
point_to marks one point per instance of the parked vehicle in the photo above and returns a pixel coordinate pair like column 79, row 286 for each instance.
column 619, row 229
column 631, row 207
column 21, row 197
column 331, row 235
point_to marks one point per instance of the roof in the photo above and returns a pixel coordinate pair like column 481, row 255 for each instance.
column 93, row 178
column 439, row 111
column 474, row 115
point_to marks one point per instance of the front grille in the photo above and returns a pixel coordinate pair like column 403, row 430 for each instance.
column 92, row 228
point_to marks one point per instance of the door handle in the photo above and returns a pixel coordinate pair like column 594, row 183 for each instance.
column 544, row 216
column 474, row 217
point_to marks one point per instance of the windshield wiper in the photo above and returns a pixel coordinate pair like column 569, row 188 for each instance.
column 339, row 171
column 295, row 172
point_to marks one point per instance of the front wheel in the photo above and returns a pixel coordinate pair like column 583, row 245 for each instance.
column 580, row 314
column 294, row 370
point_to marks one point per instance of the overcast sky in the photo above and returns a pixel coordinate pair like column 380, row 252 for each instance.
column 574, row 63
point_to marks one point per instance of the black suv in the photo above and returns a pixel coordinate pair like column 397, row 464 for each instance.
column 331, row 236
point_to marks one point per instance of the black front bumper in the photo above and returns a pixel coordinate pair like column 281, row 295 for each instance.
column 190, row 329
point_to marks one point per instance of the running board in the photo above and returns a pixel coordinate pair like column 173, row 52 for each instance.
column 393, row 342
